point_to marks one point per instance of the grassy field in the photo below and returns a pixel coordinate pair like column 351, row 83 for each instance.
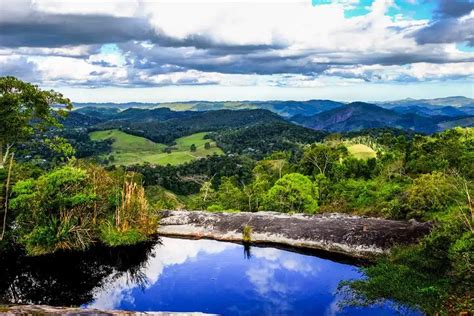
column 361, row 151
column 128, row 149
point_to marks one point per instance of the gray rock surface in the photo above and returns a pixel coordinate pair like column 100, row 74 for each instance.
column 354, row 236
column 50, row 310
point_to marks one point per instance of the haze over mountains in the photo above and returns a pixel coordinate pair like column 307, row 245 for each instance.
column 425, row 116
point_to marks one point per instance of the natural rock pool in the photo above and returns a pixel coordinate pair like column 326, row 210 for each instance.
column 185, row 275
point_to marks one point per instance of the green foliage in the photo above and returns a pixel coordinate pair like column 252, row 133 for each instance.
column 229, row 195
column 292, row 193
column 24, row 107
column 179, row 124
column 111, row 236
column 322, row 158
column 188, row 178
column 263, row 139
column 161, row 199
column 64, row 208
column 368, row 196
column 430, row 193
column 216, row 208
column 451, row 149
column 434, row 275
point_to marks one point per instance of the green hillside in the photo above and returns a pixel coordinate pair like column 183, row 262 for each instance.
column 129, row 149
column 361, row 151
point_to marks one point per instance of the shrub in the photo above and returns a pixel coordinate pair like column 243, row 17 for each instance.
column 247, row 234
column 293, row 193
column 430, row 193
column 111, row 236
column 66, row 209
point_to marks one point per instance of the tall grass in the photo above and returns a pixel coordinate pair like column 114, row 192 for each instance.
column 134, row 219
column 73, row 207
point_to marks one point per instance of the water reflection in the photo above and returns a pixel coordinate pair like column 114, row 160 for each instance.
column 184, row 275
column 69, row 278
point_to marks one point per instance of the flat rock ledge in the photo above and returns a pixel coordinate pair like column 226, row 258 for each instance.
column 52, row 310
column 353, row 236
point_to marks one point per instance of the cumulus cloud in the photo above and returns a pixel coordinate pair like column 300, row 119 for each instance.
column 293, row 43
column 453, row 23
column 412, row 72
column 450, row 30
column 19, row 67
column 59, row 30
column 454, row 8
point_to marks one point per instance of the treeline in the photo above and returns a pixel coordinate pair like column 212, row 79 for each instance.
column 167, row 131
column 260, row 140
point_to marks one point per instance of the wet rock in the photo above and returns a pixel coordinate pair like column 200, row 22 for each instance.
column 355, row 236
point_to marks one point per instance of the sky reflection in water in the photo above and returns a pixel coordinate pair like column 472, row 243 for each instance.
column 215, row 277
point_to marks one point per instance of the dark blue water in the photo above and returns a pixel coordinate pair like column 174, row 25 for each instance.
column 216, row 277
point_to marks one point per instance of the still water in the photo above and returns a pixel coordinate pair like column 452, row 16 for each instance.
column 185, row 275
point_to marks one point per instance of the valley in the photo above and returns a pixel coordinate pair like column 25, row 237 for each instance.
column 129, row 149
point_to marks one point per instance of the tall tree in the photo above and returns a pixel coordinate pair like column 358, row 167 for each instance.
column 320, row 158
column 24, row 107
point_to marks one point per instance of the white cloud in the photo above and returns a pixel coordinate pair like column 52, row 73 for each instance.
column 290, row 44
column 107, row 7
column 172, row 252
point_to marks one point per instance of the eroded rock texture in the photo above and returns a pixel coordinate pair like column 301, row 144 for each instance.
column 355, row 236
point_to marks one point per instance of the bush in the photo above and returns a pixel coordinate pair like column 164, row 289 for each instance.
column 373, row 197
column 111, row 236
column 430, row 193
column 292, row 193
column 67, row 208
column 435, row 275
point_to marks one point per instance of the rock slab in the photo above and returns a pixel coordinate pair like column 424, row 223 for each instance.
column 70, row 311
column 354, row 236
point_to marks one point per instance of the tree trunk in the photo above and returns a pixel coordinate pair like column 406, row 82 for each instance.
column 7, row 193
column 1, row 155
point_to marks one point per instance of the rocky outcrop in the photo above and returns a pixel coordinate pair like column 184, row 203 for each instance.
column 51, row 310
column 355, row 236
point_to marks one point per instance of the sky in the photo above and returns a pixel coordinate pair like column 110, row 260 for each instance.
column 173, row 50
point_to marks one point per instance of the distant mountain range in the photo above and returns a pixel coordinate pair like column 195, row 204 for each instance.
column 425, row 116
column 451, row 106
column 358, row 115
column 282, row 108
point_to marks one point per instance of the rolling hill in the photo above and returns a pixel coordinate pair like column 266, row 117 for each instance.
column 359, row 115
column 129, row 149
column 282, row 108
column 450, row 106
column 166, row 131
column 163, row 125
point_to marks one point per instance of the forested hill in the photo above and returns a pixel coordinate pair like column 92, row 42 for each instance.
column 147, row 119
column 450, row 106
column 162, row 130
column 283, row 108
